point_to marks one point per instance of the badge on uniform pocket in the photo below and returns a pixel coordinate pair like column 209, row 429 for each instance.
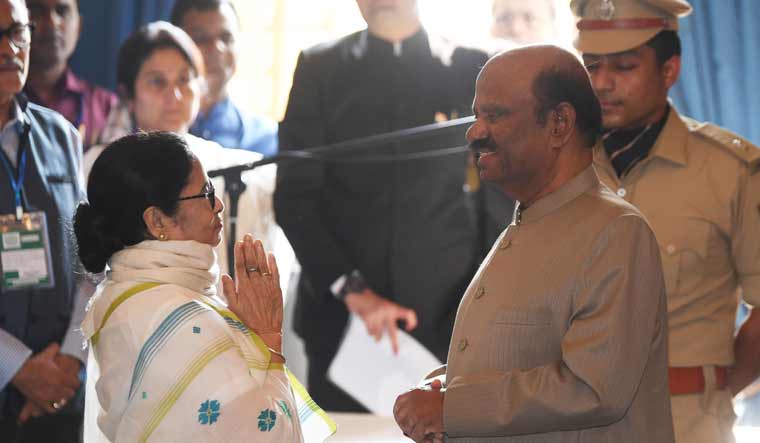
column 25, row 259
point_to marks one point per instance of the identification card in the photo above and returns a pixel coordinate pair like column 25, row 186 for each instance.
column 25, row 258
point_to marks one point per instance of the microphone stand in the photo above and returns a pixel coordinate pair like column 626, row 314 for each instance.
column 234, row 185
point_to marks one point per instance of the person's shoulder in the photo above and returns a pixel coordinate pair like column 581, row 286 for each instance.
column 204, row 149
column 213, row 156
column 605, row 206
column 258, row 124
column 607, row 198
column 722, row 142
column 49, row 122
column 610, row 215
column 454, row 54
column 48, row 116
column 139, row 306
column 333, row 48
column 469, row 55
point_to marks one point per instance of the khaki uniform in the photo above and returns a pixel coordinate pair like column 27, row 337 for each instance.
column 700, row 190
column 558, row 338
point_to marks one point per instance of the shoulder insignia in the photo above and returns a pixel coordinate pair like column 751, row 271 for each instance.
column 738, row 146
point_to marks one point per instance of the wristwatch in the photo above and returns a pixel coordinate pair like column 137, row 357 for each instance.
column 354, row 283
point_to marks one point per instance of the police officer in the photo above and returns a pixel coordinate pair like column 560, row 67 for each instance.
column 699, row 186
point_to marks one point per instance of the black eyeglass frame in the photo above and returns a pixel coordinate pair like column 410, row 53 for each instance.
column 6, row 32
column 210, row 196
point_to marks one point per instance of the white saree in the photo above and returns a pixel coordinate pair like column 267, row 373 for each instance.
column 170, row 363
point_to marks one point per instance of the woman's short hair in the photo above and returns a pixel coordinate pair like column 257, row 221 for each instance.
column 131, row 174
column 139, row 46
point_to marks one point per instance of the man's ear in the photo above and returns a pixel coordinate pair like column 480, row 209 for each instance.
column 671, row 69
column 562, row 124
column 157, row 222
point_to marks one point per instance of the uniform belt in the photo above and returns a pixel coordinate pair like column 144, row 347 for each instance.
column 691, row 380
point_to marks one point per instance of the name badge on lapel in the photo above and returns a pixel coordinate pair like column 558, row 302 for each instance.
column 25, row 258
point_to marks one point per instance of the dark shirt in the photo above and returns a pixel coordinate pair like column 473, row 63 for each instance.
column 627, row 147
column 83, row 104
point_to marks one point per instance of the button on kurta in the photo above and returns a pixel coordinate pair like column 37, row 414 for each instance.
column 505, row 243
column 462, row 344
column 671, row 249
column 480, row 293
column 621, row 192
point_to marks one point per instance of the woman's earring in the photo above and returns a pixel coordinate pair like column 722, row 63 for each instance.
column 162, row 236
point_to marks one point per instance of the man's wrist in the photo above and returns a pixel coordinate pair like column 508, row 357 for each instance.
column 354, row 283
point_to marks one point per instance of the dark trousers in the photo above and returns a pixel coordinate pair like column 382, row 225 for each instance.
column 62, row 428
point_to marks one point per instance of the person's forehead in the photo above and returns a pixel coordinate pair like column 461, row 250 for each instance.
column 501, row 85
column 13, row 11
column 210, row 19
column 198, row 177
column 166, row 60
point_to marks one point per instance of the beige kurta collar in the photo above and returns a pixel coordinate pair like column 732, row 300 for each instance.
column 567, row 193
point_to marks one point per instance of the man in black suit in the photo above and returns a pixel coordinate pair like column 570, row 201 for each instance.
column 389, row 241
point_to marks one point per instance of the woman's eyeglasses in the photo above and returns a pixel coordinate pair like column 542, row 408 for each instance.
column 210, row 196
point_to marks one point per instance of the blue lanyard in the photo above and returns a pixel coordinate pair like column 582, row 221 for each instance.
column 18, row 183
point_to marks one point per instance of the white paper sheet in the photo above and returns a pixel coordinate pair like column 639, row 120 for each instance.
column 372, row 374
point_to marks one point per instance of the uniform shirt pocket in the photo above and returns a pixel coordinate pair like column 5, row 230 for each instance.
column 684, row 251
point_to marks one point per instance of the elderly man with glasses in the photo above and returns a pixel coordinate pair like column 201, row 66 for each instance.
column 41, row 304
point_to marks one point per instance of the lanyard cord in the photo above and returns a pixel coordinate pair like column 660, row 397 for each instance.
column 17, row 182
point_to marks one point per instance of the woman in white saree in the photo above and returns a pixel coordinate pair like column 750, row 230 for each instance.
column 170, row 360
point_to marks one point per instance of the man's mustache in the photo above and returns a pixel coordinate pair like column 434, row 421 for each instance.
column 483, row 145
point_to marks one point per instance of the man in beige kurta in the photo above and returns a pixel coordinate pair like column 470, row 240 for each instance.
column 558, row 337
column 699, row 187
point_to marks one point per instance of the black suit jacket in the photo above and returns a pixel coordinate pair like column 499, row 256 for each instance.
column 407, row 225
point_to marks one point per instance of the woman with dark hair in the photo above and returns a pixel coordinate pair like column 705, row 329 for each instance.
column 160, row 79
column 169, row 360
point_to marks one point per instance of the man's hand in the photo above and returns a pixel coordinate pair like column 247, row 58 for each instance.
column 419, row 413
column 380, row 314
column 30, row 410
column 43, row 382
column 747, row 360
column 68, row 364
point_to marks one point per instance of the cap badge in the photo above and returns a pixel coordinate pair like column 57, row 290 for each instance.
column 606, row 10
